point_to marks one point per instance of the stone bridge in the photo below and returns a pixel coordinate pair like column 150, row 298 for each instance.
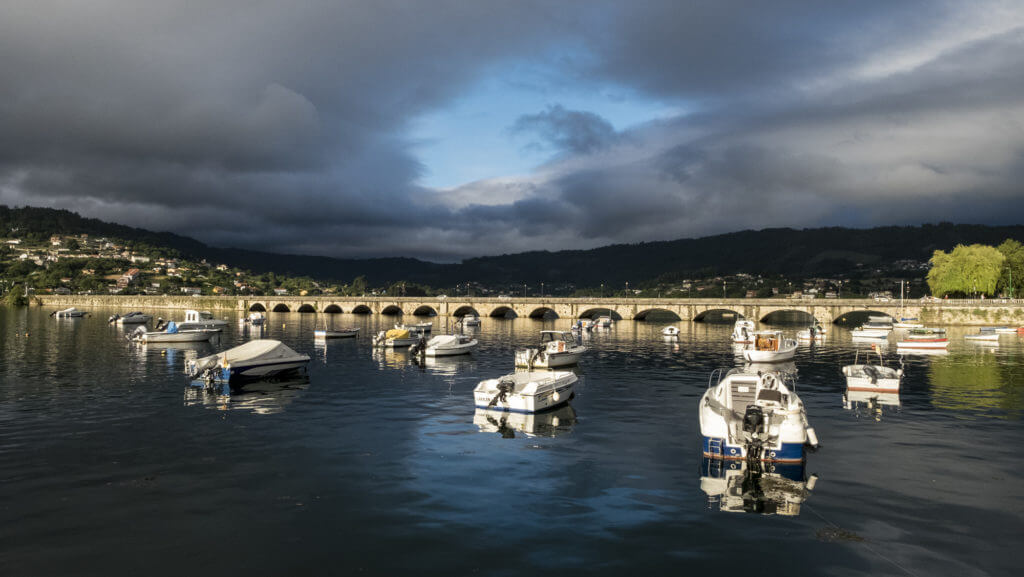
column 962, row 311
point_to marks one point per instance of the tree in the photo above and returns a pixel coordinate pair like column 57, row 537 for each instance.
column 965, row 270
column 1013, row 268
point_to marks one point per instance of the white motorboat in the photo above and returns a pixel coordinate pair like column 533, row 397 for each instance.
column 908, row 324
column 397, row 338
column 255, row 318
column 815, row 332
column 172, row 334
column 424, row 328
column 201, row 320
column 603, row 322
column 670, row 331
column 343, row 333
column 878, row 324
column 132, row 318
column 447, row 346
column 525, row 392
column 254, row 360
column 743, row 332
column 741, row 487
column 557, row 349
column 983, row 337
column 68, row 313
column 871, row 377
column 754, row 415
column 1008, row 330
column 863, row 333
column 769, row 347
column 929, row 343
column 470, row 320
column 508, row 423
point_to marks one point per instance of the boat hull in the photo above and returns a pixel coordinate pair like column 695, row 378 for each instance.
column 754, row 356
column 322, row 334
column 924, row 344
column 449, row 351
column 718, row 448
column 178, row 337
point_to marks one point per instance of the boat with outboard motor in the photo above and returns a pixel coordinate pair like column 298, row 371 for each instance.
column 872, row 377
column 68, row 313
column 743, row 332
column 769, row 347
column 557, row 349
column 470, row 320
column 445, row 346
column 132, row 318
column 815, row 332
column 526, row 391
column 262, row 358
column 172, row 333
column 397, row 338
column 198, row 320
column 754, row 415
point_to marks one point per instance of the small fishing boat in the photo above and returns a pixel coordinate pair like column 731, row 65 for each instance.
column 670, row 331
column 257, row 359
column 604, row 322
column 200, row 320
column 343, row 333
column 525, row 392
column 447, row 346
column 396, row 338
column 770, row 347
column 743, row 332
column 754, row 415
column 812, row 333
column 557, row 349
column 923, row 343
column 470, row 320
column 863, row 333
column 68, row 313
column 983, row 338
column 255, row 318
column 872, row 377
column 1008, row 330
column 424, row 328
column 171, row 334
column 132, row 318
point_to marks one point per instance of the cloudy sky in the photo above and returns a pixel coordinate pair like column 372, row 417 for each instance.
column 445, row 129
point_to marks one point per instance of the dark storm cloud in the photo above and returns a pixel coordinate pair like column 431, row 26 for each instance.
column 572, row 131
column 285, row 127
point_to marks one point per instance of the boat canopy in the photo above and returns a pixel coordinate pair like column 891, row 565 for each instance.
column 396, row 334
column 262, row 350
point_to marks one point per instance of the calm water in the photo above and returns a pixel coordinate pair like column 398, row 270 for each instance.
column 111, row 464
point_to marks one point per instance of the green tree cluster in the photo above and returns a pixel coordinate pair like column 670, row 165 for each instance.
column 1011, row 279
column 966, row 270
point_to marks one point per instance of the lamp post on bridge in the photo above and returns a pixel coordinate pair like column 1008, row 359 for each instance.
column 541, row 290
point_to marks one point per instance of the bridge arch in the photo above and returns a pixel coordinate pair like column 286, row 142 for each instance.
column 257, row 307
column 332, row 309
column 465, row 310
column 601, row 312
column 543, row 313
column 364, row 310
column 281, row 308
column 307, row 308
column 390, row 310
column 787, row 316
column 718, row 316
column 659, row 314
column 425, row 311
column 503, row 312
column 857, row 318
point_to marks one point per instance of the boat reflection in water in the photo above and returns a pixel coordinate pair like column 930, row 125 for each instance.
column 871, row 403
column 390, row 358
column 787, row 368
column 546, row 424
column 755, row 487
column 265, row 397
column 445, row 366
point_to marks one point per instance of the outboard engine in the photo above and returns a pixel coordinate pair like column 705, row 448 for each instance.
column 753, row 420
column 113, row 318
column 160, row 324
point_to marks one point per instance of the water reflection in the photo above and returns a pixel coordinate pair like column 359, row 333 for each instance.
column 390, row 358
column 976, row 382
column 447, row 366
column 759, row 488
column 258, row 397
column 871, row 404
column 547, row 424
column 787, row 368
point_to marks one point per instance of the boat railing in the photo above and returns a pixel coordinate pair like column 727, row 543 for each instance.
column 720, row 372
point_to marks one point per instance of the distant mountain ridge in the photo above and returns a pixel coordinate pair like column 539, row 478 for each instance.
column 807, row 252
